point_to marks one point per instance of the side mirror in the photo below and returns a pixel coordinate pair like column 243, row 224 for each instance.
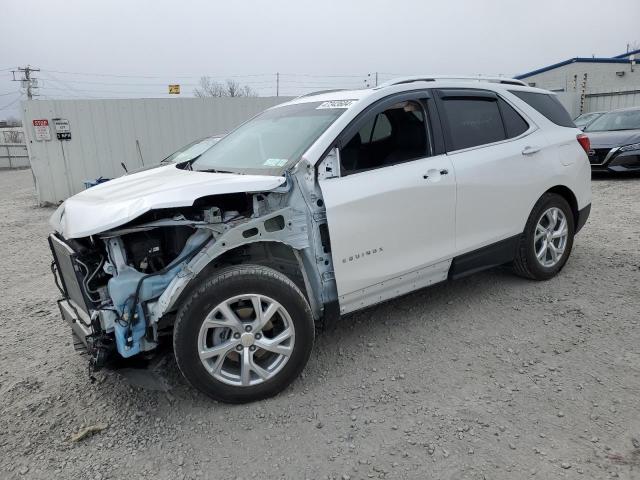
column 330, row 166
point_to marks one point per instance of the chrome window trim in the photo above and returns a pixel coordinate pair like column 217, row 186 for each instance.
column 532, row 128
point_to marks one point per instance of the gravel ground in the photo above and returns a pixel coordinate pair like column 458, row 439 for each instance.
column 488, row 377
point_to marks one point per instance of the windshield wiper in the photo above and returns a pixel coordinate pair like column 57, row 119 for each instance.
column 213, row 170
column 188, row 165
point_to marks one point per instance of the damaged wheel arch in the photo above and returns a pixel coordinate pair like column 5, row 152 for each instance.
column 279, row 256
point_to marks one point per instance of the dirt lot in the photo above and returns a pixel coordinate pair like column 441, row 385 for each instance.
column 489, row 377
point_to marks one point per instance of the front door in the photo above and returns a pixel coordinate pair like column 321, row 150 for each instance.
column 391, row 213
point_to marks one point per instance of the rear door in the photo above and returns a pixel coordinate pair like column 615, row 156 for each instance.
column 496, row 154
column 391, row 213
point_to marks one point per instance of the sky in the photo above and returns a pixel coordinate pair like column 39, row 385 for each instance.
column 127, row 48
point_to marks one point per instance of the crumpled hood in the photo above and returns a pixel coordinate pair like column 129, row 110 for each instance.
column 613, row 139
column 116, row 202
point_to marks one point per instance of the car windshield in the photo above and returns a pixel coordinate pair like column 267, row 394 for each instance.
column 272, row 141
column 585, row 118
column 620, row 120
column 192, row 150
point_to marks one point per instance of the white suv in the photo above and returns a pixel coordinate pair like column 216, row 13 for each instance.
column 318, row 207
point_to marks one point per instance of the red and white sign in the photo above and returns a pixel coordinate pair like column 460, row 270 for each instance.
column 41, row 128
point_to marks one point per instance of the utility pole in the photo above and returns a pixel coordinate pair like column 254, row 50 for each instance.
column 277, row 84
column 27, row 81
column 376, row 79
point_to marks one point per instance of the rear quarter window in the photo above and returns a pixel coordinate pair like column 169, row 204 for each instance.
column 548, row 105
column 514, row 124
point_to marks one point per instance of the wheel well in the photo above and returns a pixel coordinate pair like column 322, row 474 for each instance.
column 568, row 195
column 275, row 255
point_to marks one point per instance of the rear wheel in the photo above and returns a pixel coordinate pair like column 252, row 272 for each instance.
column 547, row 240
column 245, row 334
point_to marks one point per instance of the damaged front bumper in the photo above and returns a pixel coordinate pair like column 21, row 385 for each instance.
column 86, row 333
column 121, row 287
column 112, row 325
column 79, row 322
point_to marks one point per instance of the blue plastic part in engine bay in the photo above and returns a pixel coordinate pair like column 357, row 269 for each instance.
column 122, row 289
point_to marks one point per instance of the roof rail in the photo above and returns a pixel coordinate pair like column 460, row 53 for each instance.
column 433, row 78
column 320, row 92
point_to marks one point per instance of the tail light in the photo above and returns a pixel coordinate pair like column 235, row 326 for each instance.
column 584, row 142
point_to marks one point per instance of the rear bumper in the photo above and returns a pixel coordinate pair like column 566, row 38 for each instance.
column 583, row 215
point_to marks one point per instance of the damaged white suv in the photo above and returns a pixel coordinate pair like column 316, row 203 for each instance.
column 318, row 207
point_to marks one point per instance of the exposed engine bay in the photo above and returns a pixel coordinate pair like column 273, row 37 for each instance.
column 121, row 287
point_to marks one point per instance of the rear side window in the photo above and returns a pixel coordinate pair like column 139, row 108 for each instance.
column 514, row 124
column 472, row 121
column 547, row 105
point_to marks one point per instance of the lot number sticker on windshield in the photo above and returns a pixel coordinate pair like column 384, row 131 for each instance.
column 335, row 104
column 275, row 162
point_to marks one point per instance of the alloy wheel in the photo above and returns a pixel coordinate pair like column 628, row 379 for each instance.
column 550, row 238
column 246, row 340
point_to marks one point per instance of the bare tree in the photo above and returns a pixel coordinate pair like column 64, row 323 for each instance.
column 230, row 88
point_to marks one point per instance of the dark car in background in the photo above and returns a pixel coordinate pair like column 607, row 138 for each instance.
column 193, row 150
column 615, row 141
column 187, row 153
column 585, row 119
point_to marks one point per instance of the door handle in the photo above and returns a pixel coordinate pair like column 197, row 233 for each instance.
column 529, row 150
column 444, row 171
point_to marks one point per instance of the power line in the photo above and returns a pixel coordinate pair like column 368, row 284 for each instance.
column 261, row 82
column 317, row 75
column 156, row 76
column 143, row 85
column 127, row 92
column 196, row 75
column 11, row 103
column 89, row 82
column 68, row 87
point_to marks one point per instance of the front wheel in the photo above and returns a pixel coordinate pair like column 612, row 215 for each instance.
column 245, row 334
column 546, row 243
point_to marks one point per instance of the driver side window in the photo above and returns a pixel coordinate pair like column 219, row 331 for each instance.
column 396, row 135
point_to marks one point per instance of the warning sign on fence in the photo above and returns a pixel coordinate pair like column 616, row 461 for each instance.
column 41, row 128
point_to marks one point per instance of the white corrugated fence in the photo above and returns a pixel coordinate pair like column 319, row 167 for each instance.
column 136, row 132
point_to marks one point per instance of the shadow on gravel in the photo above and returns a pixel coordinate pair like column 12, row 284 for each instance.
column 372, row 324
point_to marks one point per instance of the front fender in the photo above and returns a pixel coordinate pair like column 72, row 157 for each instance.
column 286, row 226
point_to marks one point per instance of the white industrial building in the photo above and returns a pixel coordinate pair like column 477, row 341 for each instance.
column 595, row 83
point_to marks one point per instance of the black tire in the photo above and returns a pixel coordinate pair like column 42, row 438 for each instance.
column 525, row 263
column 225, row 284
